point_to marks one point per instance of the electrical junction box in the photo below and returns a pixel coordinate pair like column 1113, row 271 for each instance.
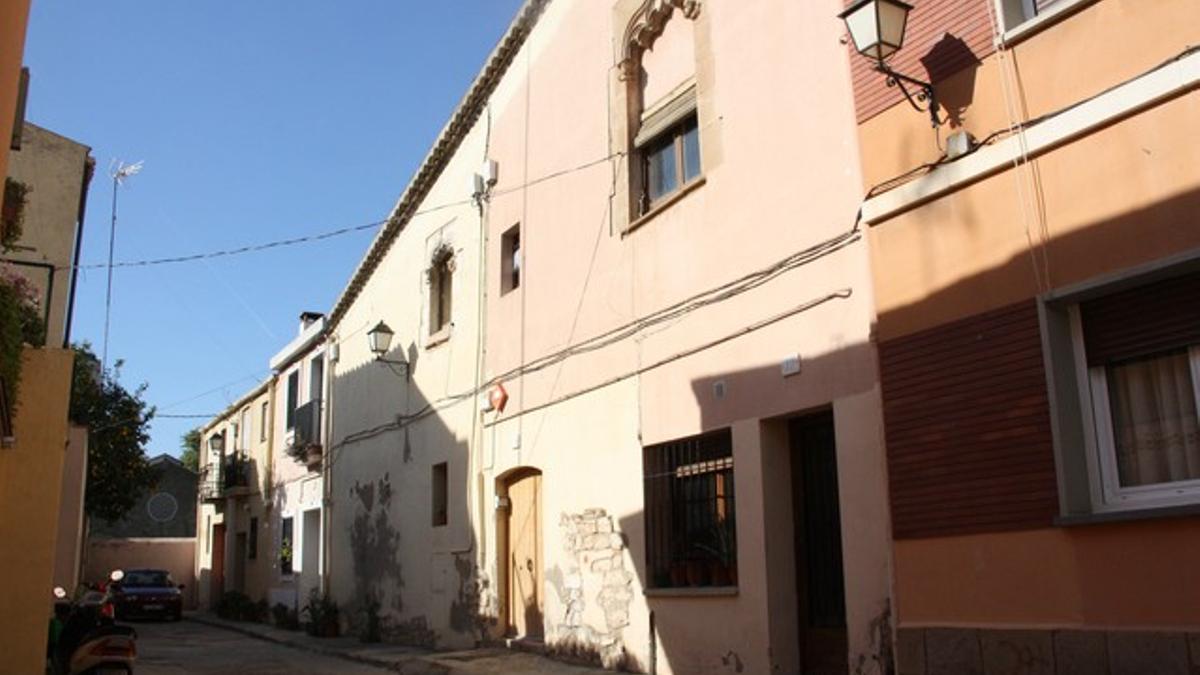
column 790, row 366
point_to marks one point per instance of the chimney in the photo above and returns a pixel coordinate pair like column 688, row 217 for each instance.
column 307, row 319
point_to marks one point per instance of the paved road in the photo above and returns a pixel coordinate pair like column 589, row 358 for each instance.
column 190, row 647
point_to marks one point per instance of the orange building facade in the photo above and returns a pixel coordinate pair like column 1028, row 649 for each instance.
column 1036, row 291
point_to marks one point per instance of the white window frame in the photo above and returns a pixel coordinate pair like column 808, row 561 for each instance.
column 1107, row 493
column 1020, row 17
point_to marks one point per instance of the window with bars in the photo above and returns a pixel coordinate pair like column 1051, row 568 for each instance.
column 691, row 536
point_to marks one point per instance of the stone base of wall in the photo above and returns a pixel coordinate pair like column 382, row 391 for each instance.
column 967, row 651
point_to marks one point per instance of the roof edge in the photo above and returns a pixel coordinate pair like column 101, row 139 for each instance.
column 444, row 147
column 236, row 405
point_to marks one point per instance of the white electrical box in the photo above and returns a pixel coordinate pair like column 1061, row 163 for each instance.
column 790, row 366
column 490, row 171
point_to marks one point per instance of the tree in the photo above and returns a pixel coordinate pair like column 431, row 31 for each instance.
column 117, row 421
column 191, row 450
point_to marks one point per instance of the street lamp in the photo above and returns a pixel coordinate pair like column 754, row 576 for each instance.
column 379, row 339
column 216, row 443
column 877, row 28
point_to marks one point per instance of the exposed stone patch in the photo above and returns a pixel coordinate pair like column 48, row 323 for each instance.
column 597, row 564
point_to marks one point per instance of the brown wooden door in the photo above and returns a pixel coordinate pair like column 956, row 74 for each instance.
column 217, row 586
column 820, row 584
column 525, row 556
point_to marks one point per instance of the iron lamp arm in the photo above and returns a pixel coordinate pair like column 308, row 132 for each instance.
column 925, row 93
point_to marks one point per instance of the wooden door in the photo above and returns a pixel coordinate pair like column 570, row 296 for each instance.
column 820, row 583
column 217, row 585
column 524, row 553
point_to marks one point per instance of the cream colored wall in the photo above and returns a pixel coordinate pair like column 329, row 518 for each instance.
column 54, row 166
column 236, row 512
column 176, row 555
column 294, row 491
column 780, row 177
column 31, row 473
column 382, row 538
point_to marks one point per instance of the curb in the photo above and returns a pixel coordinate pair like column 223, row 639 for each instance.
column 423, row 666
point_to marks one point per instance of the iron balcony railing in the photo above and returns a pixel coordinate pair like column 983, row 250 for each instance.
column 308, row 425
column 210, row 483
column 236, row 472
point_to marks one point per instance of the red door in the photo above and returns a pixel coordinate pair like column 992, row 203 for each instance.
column 217, row 586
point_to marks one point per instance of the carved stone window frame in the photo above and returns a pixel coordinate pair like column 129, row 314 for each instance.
column 644, row 21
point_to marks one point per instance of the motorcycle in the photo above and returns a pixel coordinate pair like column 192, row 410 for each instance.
column 84, row 640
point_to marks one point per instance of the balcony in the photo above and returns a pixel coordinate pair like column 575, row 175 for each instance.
column 306, row 447
column 235, row 475
column 209, row 484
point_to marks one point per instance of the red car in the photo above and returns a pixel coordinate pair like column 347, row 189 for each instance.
column 148, row 593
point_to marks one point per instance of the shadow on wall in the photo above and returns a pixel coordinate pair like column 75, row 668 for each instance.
column 952, row 67
column 703, row 547
column 403, row 552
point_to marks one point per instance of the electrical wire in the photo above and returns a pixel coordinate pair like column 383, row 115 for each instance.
column 928, row 167
column 612, row 336
column 320, row 236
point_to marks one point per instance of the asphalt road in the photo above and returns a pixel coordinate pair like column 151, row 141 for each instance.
column 173, row 648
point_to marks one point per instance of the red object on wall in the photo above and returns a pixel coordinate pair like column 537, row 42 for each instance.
column 498, row 397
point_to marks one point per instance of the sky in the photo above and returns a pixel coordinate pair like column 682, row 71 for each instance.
column 257, row 121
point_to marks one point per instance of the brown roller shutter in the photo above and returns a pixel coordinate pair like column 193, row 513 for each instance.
column 1157, row 317
column 967, row 424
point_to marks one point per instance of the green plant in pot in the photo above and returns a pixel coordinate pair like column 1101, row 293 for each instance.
column 322, row 613
column 720, row 545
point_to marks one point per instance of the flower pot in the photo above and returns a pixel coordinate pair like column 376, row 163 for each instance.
column 719, row 573
column 312, row 457
column 679, row 575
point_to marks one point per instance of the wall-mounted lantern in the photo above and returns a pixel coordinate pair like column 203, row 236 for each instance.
column 877, row 28
column 379, row 339
column 216, row 443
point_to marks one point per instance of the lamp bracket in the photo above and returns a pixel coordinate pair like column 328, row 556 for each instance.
column 923, row 100
column 391, row 362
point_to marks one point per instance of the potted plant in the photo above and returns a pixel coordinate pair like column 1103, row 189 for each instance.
column 312, row 456
column 721, row 548
column 322, row 613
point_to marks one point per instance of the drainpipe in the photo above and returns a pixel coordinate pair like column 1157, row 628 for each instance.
column 326, row 414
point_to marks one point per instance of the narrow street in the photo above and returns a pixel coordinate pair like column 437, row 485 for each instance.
column 190, row 647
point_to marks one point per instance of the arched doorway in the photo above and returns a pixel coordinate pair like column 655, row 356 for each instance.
column 520, row 527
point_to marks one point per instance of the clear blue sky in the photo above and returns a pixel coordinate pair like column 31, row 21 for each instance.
column 257, row 121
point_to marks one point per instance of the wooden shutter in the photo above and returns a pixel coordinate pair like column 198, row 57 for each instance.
column 967, row 422
column 1149, row 319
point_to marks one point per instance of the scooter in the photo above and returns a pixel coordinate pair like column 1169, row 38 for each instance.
column 83, row 638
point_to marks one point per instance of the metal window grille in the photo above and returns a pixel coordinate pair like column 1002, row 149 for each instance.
column 691, row 536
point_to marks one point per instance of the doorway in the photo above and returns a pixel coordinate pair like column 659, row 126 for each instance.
column 310, row 553
column 817, row 531
column 217, row 585
column 522, row 553
column 239, row 562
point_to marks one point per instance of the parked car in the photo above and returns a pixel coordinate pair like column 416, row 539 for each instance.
column 148, row 593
